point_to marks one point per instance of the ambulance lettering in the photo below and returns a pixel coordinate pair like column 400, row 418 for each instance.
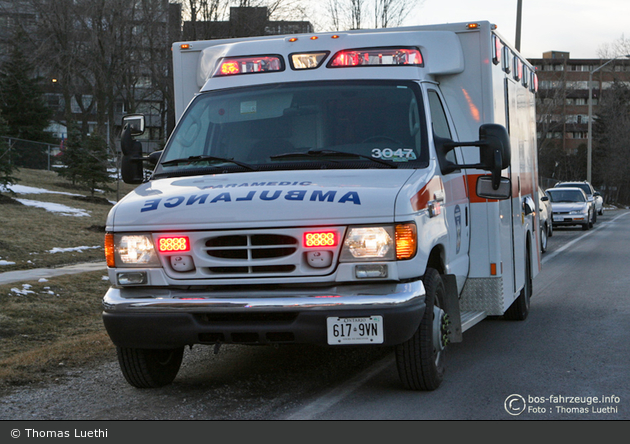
column 264, row 195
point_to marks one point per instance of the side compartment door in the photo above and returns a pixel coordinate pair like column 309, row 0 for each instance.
column 456, row 201
column 520, row 182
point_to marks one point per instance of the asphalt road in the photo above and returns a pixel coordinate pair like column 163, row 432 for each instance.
column 571, row 352
column 568, row 360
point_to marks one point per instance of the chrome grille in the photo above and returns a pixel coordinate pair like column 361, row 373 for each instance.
column 251, row 246
column 245, row 249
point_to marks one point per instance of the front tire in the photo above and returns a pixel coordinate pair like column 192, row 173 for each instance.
column 149, row 368
column 420, row 360
column 589, row 224
column 543, row 238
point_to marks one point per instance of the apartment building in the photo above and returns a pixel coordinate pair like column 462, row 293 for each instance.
column 562, row 101
column 562, row 109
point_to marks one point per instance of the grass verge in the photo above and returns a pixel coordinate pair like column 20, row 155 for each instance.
column 51, row 327
column 33, row 237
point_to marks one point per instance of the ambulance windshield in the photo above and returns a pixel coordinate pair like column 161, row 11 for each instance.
column 349, row 124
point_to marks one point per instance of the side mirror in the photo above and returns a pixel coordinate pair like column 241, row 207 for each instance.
column 528, row 205
column 544, row 198
column 494, row 152
column 135, row 123
column 495, row 149
column 485, row 188
column 131, row 165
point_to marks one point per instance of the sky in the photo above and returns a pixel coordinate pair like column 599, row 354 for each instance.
column 580, row 27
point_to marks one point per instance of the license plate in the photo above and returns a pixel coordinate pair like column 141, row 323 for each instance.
column 364, row 330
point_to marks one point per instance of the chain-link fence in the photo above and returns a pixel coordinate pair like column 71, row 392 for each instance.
column 45, row 156
column 29, row 154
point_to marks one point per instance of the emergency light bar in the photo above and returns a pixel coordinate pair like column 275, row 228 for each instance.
column 377, row 57
column 230, row 66
column 308, row 60
column 497, row 48
column 533, row 85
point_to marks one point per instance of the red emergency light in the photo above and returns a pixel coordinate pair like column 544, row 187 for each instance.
column 533, row 85
column 230, row 66
column 376, row 57
column 496, row 50
column 320, row 239
column 173, row 244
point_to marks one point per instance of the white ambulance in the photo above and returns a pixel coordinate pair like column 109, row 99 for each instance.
column 372, row 188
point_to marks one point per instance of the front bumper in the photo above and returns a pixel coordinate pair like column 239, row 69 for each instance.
column 565, row 219
column 163, row 318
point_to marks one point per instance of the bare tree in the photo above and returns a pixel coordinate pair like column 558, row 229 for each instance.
column 199, row 11
column 335, row 12
column 355, row 14
column 391, row 13
column 619, row 47
column 611, row 135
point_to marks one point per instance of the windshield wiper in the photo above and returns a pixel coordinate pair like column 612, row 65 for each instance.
column 204, row 157
column 333, row 153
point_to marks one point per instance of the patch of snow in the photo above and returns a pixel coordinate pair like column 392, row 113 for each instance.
column 65, row 250
column 24, row 291
column 63, row 210
column 23, row 189
column 3, row 262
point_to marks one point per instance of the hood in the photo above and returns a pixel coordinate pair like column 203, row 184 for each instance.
column 565, row 207
column 270, row 198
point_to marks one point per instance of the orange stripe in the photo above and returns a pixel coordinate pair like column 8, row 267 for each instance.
column 422, row 198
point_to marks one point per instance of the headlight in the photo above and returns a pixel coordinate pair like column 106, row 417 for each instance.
column 130, row 250
column 584, row 211
column 379, row 243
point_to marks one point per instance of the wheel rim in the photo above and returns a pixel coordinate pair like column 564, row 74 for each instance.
column 440, row 332
column 543, row 238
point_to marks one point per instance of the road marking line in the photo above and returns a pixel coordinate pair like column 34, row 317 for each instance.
column 560, row 250
column 338, row 393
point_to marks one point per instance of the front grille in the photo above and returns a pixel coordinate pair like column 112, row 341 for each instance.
column 251, row 247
